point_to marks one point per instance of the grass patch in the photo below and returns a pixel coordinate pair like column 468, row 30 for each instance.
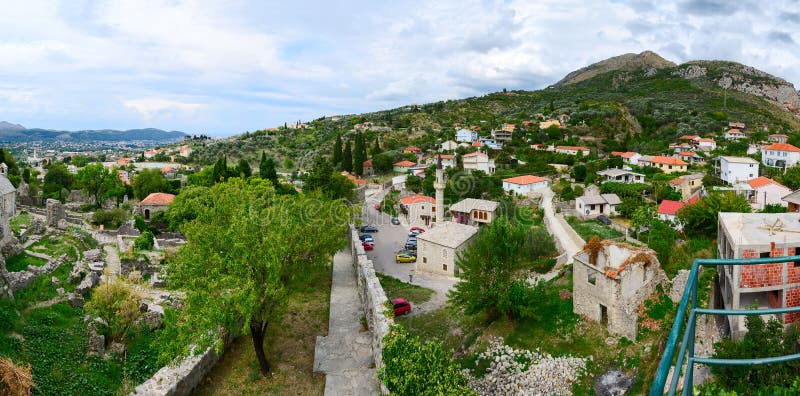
column 43, row 289
column 456, row 330
column 395, row 288
column 23, row 219
column 289, row 346
column 589, row 228
column 21, row 262
column 55, row 246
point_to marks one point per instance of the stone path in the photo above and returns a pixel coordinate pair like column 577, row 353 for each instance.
column 559, row 229
column 112, row 260
column 345, row 354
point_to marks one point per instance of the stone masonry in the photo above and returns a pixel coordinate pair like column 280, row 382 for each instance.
column 55, row 212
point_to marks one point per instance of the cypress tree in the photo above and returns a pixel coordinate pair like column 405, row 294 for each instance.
column 337, row 151
column 244, row 168
column 376, row 148
column 347, row 157
column 359, row 155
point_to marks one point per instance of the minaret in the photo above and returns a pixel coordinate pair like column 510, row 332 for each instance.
column 439, row 186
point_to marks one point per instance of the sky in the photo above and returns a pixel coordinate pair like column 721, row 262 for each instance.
column 225, row 67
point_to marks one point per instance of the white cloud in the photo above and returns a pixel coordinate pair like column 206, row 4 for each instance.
column 150, row 108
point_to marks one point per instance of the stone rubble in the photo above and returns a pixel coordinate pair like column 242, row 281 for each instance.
column 522, row 372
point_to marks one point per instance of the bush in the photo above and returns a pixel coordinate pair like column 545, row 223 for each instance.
column 412, row 367
column 117, row 303
column 145, row 241
column 139, row 223
column 111, row 219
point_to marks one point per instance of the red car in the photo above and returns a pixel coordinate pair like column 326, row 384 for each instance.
column 420, row 230
column 401, row 306
column 368, row 245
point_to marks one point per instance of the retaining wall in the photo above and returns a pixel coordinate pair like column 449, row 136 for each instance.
column 373, row 299
column 179, row 380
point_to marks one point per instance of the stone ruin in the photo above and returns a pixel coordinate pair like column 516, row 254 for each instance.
column 55, row 213
column 611, row 280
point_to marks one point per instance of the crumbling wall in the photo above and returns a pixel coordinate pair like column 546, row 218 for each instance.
column 55, row 212
column 373, row 300
column 179, row 380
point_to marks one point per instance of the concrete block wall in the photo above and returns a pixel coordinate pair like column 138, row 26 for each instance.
column 373, row 299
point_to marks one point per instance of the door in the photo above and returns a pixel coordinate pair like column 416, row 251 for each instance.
column 603, row 315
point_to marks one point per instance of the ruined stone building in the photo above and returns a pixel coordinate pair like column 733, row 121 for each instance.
column 611, row 280
column 754, row 235
column 8, row 205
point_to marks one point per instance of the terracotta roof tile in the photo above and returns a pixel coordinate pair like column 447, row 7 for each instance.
column 158, row 199
column 523, row 180
column 668, row 207
column 417, row 199
column 782, row 147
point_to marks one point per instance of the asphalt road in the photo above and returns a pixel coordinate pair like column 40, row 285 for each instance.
column 388, row 240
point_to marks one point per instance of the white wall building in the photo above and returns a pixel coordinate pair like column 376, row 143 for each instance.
column 620, row 175
column 767, row 192
column 780, row 155
column 478, row 161
column 523, row 185
column 465, row 135
column 439, row 247
column 595, row 205
column 734, row 170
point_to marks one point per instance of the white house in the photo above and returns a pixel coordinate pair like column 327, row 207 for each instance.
column 439, row 247
column 707, row 142
column 465, row 135
column 419, row 209
column 572, row 150
column 628, row 157
column 502, row 135
column 448, row 146
column 448, row 161
column 667, row 210
column 735, row 170
column 522, row 185
column 645, row 160
column 595, row 205
column 778, row 138
column 403, row 166
column 478, row 161
column 780, row 155
column 767, row 192
column 620, row 175
column 734, row 134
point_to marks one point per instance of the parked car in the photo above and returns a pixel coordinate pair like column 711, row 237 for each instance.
column 604, row 219
column 413, row 233
column 395, row 221
column 377, row 207
column 368, row 228
column 368, row 245
column 406, row 251
column 401, row 306
column 366, row 238
column 405, row 258
column 420, row 229
column 411, row 246
column 412, row 239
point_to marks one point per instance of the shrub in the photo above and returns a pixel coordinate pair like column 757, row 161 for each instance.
column 412, row 367
column 145, row 241
column 139, row 223
column 110, row 219
column 117, row 303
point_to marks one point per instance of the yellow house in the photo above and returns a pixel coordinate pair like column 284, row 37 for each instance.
column 669, row 164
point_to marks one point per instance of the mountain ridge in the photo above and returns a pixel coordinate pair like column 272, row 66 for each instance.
column 10, row 132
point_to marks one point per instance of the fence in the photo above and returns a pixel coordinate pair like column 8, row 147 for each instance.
column 686, row 360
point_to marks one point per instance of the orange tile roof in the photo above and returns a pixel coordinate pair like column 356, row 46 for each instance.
column 782, row 147
column 668, row 207
column 689, row 137
column 687, row 153
column 734, row 131
column 475, row 154
column 158, row 199
column 368, row 162
column 762, row 181
column 660, row 159
column 404, row 163
column 444, row 156
column 412, row 149
column 523, row 180
column 676, row 181
column 707, row 140
column 778, row 135
column 417, row 199
column 477, row 144
column 581, row 148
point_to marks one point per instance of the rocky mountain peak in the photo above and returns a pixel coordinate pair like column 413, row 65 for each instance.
column 648, row 60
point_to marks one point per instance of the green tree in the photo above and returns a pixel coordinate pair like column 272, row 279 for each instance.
column 144, row 241
column 487, row 269
column 412, row 367
column 244, row 168
column 220, row 171
column 97, row 181
column 791, row 178
column 579, row 173
column 332, row 184
column 266, row 169
column 347, row 157
column 376, row 147
column 149, row 181
column 359, row 155
column 700, row 218
column 57, row 182
column 337, row 152
column 246, row 251
column 117, row 303
column 26, row 174
column 288, row 163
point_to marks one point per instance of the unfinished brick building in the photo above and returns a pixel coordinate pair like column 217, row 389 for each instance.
column 610, row 281
column 753, row 235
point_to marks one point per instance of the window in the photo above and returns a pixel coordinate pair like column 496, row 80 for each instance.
column 763, row 255
column 444, row 267
column 592, row 277
column 424, row 260
column 797, row 253
column 444, row 253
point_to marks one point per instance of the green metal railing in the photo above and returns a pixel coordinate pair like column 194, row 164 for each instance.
column 686, row 350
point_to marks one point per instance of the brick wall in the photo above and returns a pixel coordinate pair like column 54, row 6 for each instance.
column 764, row 274
column 792, row 300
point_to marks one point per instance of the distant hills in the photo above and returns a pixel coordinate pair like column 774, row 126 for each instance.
column 15, row 133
